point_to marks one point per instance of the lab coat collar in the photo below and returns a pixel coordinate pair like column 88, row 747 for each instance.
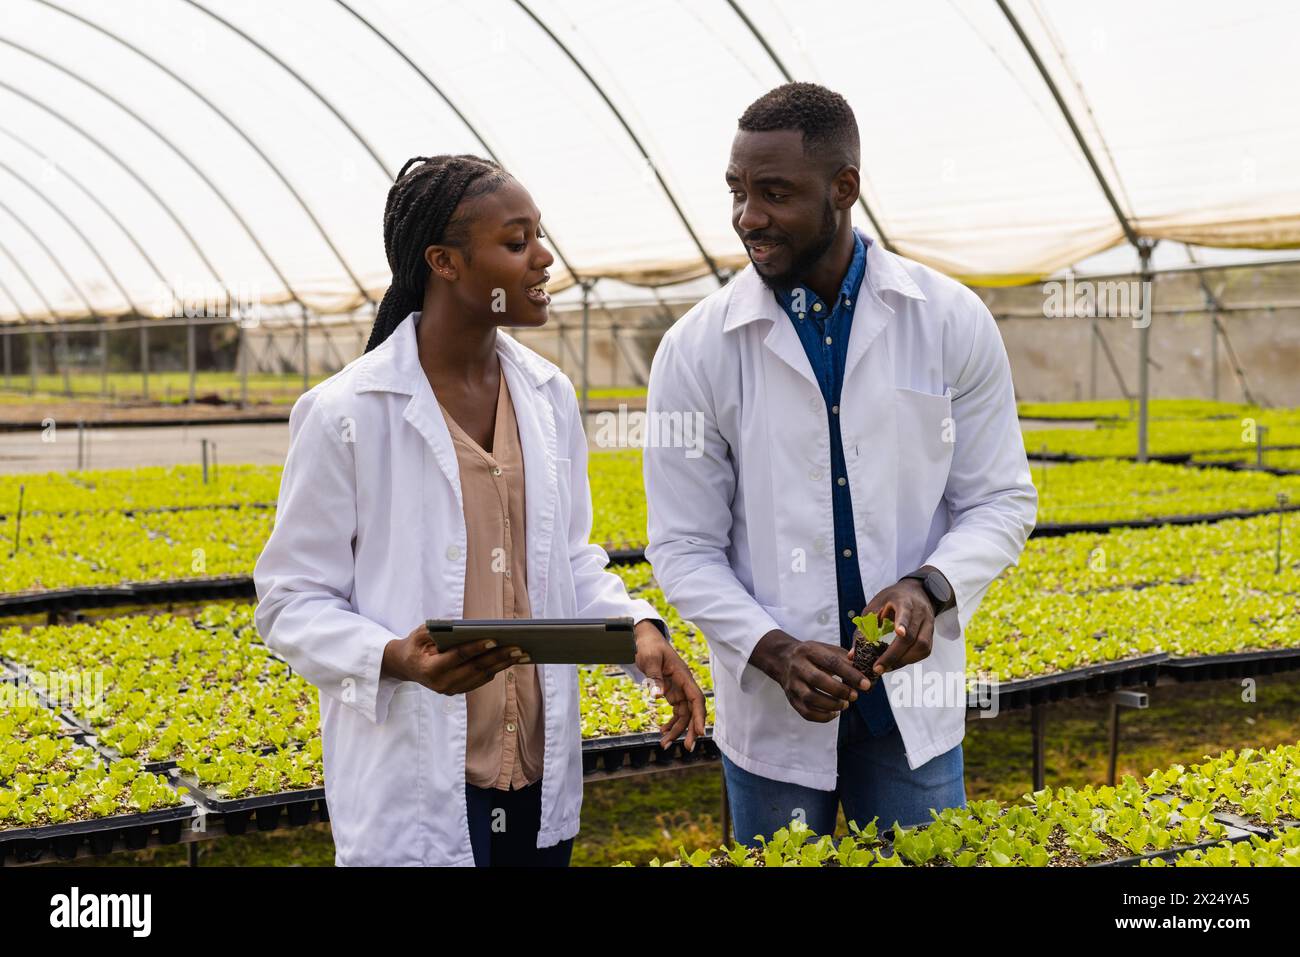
column 394, row 365
column 753, row 300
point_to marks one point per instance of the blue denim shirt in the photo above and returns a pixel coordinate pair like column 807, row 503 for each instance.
column 824, row 331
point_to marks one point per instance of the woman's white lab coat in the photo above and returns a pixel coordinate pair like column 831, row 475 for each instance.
column 369, row 541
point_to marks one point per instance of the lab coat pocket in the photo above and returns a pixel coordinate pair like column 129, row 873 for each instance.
column 926, row 438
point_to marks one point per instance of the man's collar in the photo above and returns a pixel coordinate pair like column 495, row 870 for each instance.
column 754, row 300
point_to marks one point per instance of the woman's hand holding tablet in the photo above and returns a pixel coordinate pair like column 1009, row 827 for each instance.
column 454, row 671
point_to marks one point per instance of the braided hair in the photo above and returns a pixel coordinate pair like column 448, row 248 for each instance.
column 421, row 212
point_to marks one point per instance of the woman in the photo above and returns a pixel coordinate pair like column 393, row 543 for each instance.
column 443, row 474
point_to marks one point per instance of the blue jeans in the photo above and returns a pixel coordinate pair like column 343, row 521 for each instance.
column 874, row 782
column 503, row 828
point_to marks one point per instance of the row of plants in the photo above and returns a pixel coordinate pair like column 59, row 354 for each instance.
column 138, row 489
column 48, row 776
column 112, row 548
column 74, row 532
column 1235, row 437
column 1186, row 591
column 164, row 689
column 1157, row 409
column 1167, row 812
column 1115, row 491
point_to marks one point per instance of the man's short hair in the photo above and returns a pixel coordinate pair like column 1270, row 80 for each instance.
column 823, row 116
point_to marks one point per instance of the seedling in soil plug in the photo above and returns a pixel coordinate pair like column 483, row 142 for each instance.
column 872, row 638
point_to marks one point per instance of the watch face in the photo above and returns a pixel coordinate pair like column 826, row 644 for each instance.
column 938, row 588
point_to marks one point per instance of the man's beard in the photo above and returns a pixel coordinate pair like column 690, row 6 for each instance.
column 807, row 257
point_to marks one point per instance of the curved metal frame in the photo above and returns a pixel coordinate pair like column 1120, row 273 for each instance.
column 76, row 229
column 53, row 258
column 234, row 126
column 451, row 105
column 789, row 78
column 299, row 77
column 98, row 203
column 627, row 128
column 14, row 299
column 171, row 213
column 49, row 308
column 179, row 153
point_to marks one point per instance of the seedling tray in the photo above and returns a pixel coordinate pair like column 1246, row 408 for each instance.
column 1240, row 664
column 28, row 844
column 642, row 750
column 1241, row 823
column 267, row 810
column 1233, row 835
column 1079, row 682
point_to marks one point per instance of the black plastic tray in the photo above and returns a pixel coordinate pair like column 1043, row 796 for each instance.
column 1243, row 824
column 612, row 753
column 1095, row 679
column 135, row 593
column 1233, row 835
column 1058, row 529
column 1238, row 664
column 265, row 809
column 30, row 843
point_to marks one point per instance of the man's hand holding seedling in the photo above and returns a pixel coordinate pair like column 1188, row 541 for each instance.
column 819, row 679
column 909, row 608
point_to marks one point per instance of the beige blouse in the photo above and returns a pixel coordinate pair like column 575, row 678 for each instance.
column 506, row 726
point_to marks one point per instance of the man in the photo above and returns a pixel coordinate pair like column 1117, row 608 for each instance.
column 859, row 437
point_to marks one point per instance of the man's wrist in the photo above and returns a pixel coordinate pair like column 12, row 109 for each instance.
column 936, row 587
column 770, row 653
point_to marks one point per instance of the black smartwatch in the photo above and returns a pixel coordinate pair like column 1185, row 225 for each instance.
column 936, row 588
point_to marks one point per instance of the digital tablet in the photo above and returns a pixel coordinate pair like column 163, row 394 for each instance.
column 548, row 641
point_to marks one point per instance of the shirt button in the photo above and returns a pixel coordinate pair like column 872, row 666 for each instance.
column 453, row 552
column 835, row 409
column 822, row 618
column 510, row 676
column 850, row 613
column 507, row 573
column 848, row 301
column 819, row 543
column 841, row 480
column 817, row 307
column 828, row 340
column 496, row 470
column 510, row 726
column 507, row 523
column 848, row 553
column 801, row 315
column 815, row 475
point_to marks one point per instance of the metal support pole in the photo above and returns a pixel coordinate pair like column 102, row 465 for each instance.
column 81, row 445
column 61, row 360
column 242, row 356
column 1092, row 359
column 189, row 353
column 203, row 443
column 103, row 360
column 1121, row 699
column 586, row 336
column 31, row 358
column 1214, row 354
column 8, row 359
column 1144, row 347
column 1114, row 744
column 144, row 359
column 305, row 353
column 1038, row 723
